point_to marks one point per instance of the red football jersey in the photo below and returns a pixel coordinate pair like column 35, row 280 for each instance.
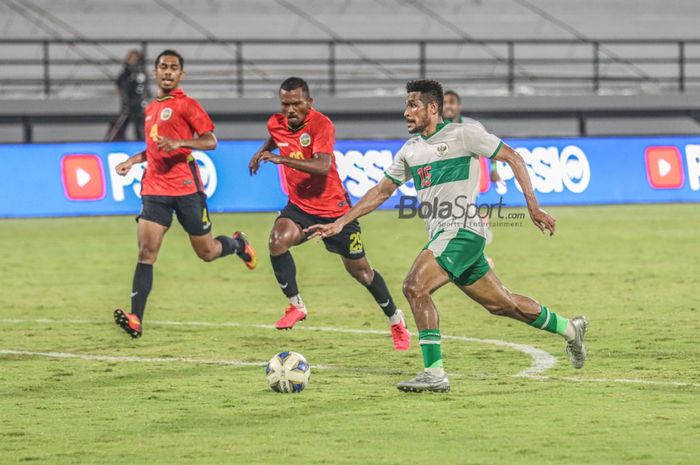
column 318, row 195
column 177, row 116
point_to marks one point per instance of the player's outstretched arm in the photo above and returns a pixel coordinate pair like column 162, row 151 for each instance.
column 254, row 163
column 319, row 164
column 367, row 204
column 206, row 141
column 123, row 168
column 543, row 220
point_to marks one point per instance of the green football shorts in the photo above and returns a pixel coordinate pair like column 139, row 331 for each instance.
column 460, row 252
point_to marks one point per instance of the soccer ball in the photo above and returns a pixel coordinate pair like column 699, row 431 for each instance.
column 288, row 372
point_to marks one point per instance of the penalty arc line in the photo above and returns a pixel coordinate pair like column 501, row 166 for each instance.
column 541, row 360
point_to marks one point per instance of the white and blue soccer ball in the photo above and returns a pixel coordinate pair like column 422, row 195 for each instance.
column 288, row 372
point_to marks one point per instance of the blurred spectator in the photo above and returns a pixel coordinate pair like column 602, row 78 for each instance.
column 132, row 84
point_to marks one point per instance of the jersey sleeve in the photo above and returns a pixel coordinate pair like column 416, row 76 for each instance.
column 198, row 118
column 323, row 137
column 479, row 142
column 398, row 171
column 271, row 123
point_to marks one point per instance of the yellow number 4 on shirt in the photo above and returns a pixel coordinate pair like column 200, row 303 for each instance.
column 153, row 135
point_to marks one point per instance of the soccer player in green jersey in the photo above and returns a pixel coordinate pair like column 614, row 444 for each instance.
column 452, row 113
column 442, row 160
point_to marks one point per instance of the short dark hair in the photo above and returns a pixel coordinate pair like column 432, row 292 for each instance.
column 431, row 91
column 170, row 53
column 455, row 94
column 293, row 83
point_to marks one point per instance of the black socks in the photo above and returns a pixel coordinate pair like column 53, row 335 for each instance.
column 229, row 245
column 381, row 294
column 143, row 282
column 286, row 273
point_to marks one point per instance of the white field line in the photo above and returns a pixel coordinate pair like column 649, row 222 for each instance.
column 197, row 361
column 627, row 381
column 541, row 360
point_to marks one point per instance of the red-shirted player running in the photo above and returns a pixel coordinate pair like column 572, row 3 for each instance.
column 171, row 183
column 305, row 140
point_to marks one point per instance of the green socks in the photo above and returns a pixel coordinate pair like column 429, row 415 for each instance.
column 550, row 321
column 429, row 340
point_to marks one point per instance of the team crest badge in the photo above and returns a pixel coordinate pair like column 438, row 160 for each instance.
column 166, row 114
column 305, row 139
column 442, row 149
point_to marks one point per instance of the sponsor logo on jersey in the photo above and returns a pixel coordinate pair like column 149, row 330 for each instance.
column 83, row 177
column 165, row 114
column 305, row 139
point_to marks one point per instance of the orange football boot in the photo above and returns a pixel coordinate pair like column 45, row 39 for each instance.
column 129, row 322
column 249, row 255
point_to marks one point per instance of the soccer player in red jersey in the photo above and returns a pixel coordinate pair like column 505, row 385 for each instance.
column 305, row 139
column 171, row 183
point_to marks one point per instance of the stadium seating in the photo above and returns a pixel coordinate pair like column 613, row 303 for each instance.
column 86, row 70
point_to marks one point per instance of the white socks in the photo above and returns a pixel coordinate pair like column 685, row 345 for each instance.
column 396, row 318
column 569, row 332
column 439, row 372
column 298, row 303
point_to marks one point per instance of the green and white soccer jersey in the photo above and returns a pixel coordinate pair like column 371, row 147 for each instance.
column 445, row 170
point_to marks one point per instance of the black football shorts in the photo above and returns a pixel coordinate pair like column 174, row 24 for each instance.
column 347, row 243
column 191, row 211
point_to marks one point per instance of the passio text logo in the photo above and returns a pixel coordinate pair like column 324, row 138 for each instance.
column 83, row 177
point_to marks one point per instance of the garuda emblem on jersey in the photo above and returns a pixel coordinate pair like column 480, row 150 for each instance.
column 305, row 139
column 442, row 149
column 166, row 114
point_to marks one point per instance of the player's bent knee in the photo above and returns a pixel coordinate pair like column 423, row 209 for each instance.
column 364, row 275
column 207, row 255
column 278, row 244
column 412, row 289
column 147, row 254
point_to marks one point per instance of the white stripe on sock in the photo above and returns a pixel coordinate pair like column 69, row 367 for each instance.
column 549, row 314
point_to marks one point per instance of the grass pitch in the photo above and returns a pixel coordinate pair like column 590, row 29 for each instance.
column 633, row 270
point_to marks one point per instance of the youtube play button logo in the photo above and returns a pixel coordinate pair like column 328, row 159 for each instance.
column 664, row 167
column 83, row 177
